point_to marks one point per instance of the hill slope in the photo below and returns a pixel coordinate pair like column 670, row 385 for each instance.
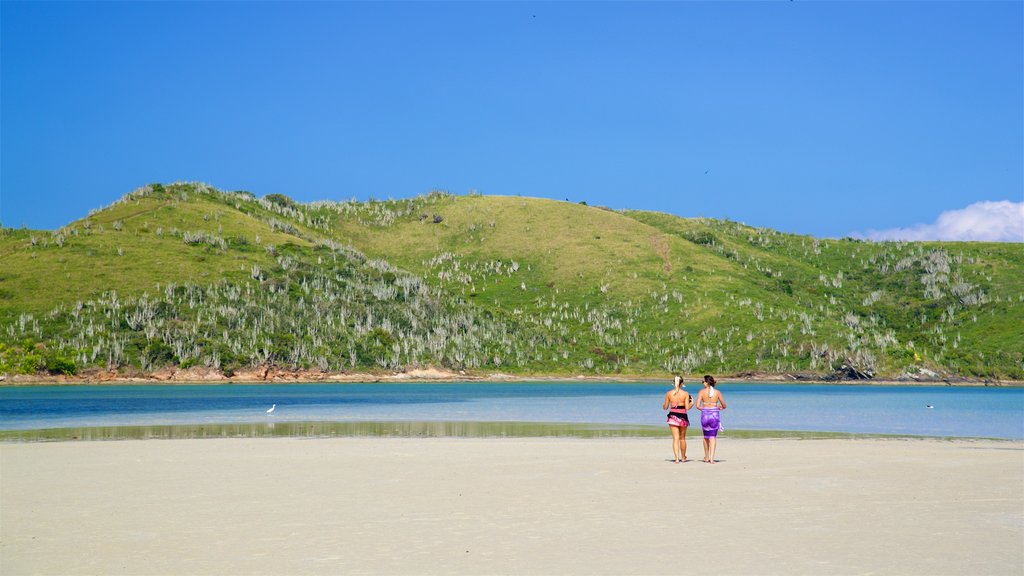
column 188, row 275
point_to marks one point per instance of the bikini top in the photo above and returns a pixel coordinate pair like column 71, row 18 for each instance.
column 711, row 399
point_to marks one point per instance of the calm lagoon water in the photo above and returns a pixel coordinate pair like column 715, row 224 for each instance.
column 899, row 410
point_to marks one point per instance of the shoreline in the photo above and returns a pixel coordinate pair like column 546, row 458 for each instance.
column 521, row 505
column 266, row 375
column 465, row 429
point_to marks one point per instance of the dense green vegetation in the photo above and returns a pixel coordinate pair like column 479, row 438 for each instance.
column 185, row 275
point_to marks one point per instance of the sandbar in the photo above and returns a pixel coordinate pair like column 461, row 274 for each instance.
column 511, row 506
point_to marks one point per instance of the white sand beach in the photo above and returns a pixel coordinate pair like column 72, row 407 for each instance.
column 511, row 506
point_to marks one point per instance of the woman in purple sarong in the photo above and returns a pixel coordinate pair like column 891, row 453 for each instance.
column 710, row 403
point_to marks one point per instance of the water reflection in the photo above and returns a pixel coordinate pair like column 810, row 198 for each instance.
column 400, row 429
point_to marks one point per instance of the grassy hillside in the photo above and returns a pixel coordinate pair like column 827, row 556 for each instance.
column 188, row 275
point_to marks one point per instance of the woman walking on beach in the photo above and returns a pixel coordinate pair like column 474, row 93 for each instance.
column 677, row 402
column 710, row 403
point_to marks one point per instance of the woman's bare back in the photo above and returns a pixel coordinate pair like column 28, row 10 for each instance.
column 677, row 398
column 706, row 400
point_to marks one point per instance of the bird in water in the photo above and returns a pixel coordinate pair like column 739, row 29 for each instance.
column 271, row 411
column 929, row 406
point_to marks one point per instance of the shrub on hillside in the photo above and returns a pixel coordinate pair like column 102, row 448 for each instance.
column 57, row 364
column 280, row 200
column 159, row 353
column 20, row 359
column 704, row 238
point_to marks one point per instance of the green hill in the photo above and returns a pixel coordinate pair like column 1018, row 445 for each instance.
column 186, row 275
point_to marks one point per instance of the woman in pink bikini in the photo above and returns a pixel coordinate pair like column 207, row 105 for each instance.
column 677, row 402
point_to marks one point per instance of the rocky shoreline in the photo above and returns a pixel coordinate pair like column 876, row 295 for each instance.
column 277, row 375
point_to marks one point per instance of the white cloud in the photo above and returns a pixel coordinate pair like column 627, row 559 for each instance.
column 1001, row 221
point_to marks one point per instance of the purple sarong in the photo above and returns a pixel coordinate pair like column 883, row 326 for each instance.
column 710, row 421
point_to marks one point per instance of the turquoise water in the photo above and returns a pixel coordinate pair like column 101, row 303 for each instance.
column 900, row 410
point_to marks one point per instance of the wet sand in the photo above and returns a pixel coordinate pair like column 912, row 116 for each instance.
column 511, row 506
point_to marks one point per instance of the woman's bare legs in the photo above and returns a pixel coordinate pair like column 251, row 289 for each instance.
column 682, row 442
column 706, row 449
column 675, row 441
column 712, row 443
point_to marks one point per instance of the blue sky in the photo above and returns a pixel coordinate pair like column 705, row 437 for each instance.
column 823, row 118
